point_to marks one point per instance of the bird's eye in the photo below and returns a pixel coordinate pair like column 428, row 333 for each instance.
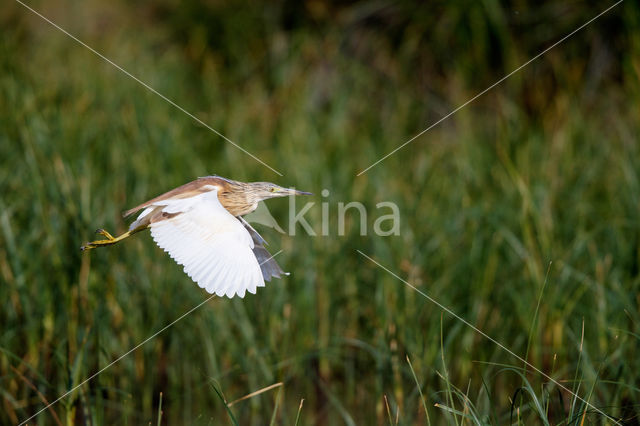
column 272, row 189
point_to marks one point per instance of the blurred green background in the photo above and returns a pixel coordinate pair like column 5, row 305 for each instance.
column 520, row 212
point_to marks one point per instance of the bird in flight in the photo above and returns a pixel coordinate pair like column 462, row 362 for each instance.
column 200, row 225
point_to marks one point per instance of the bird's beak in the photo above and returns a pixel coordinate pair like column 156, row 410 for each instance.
column 283, row 192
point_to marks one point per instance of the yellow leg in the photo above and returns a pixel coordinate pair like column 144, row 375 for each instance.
column 110, row 239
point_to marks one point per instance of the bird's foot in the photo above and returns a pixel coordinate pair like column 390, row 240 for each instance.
column 98, row 243
column 105, row 234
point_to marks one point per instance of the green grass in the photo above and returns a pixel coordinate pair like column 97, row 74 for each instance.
column 544, row 168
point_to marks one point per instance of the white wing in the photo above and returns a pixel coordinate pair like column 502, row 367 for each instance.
column 212, row 245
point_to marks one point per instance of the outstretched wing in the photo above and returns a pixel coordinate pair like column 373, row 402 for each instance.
column 269, row 266
column 214, row 248
column 188, row 190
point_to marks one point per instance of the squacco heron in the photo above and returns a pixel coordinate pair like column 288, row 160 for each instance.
column 200, row 225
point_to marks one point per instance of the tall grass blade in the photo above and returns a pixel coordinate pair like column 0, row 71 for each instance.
column 424, row 403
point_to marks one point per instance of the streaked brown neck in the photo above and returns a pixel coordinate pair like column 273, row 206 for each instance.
column 238, row 198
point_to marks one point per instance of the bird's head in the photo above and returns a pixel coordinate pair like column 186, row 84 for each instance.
column 242, row 198
column 264, row 190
